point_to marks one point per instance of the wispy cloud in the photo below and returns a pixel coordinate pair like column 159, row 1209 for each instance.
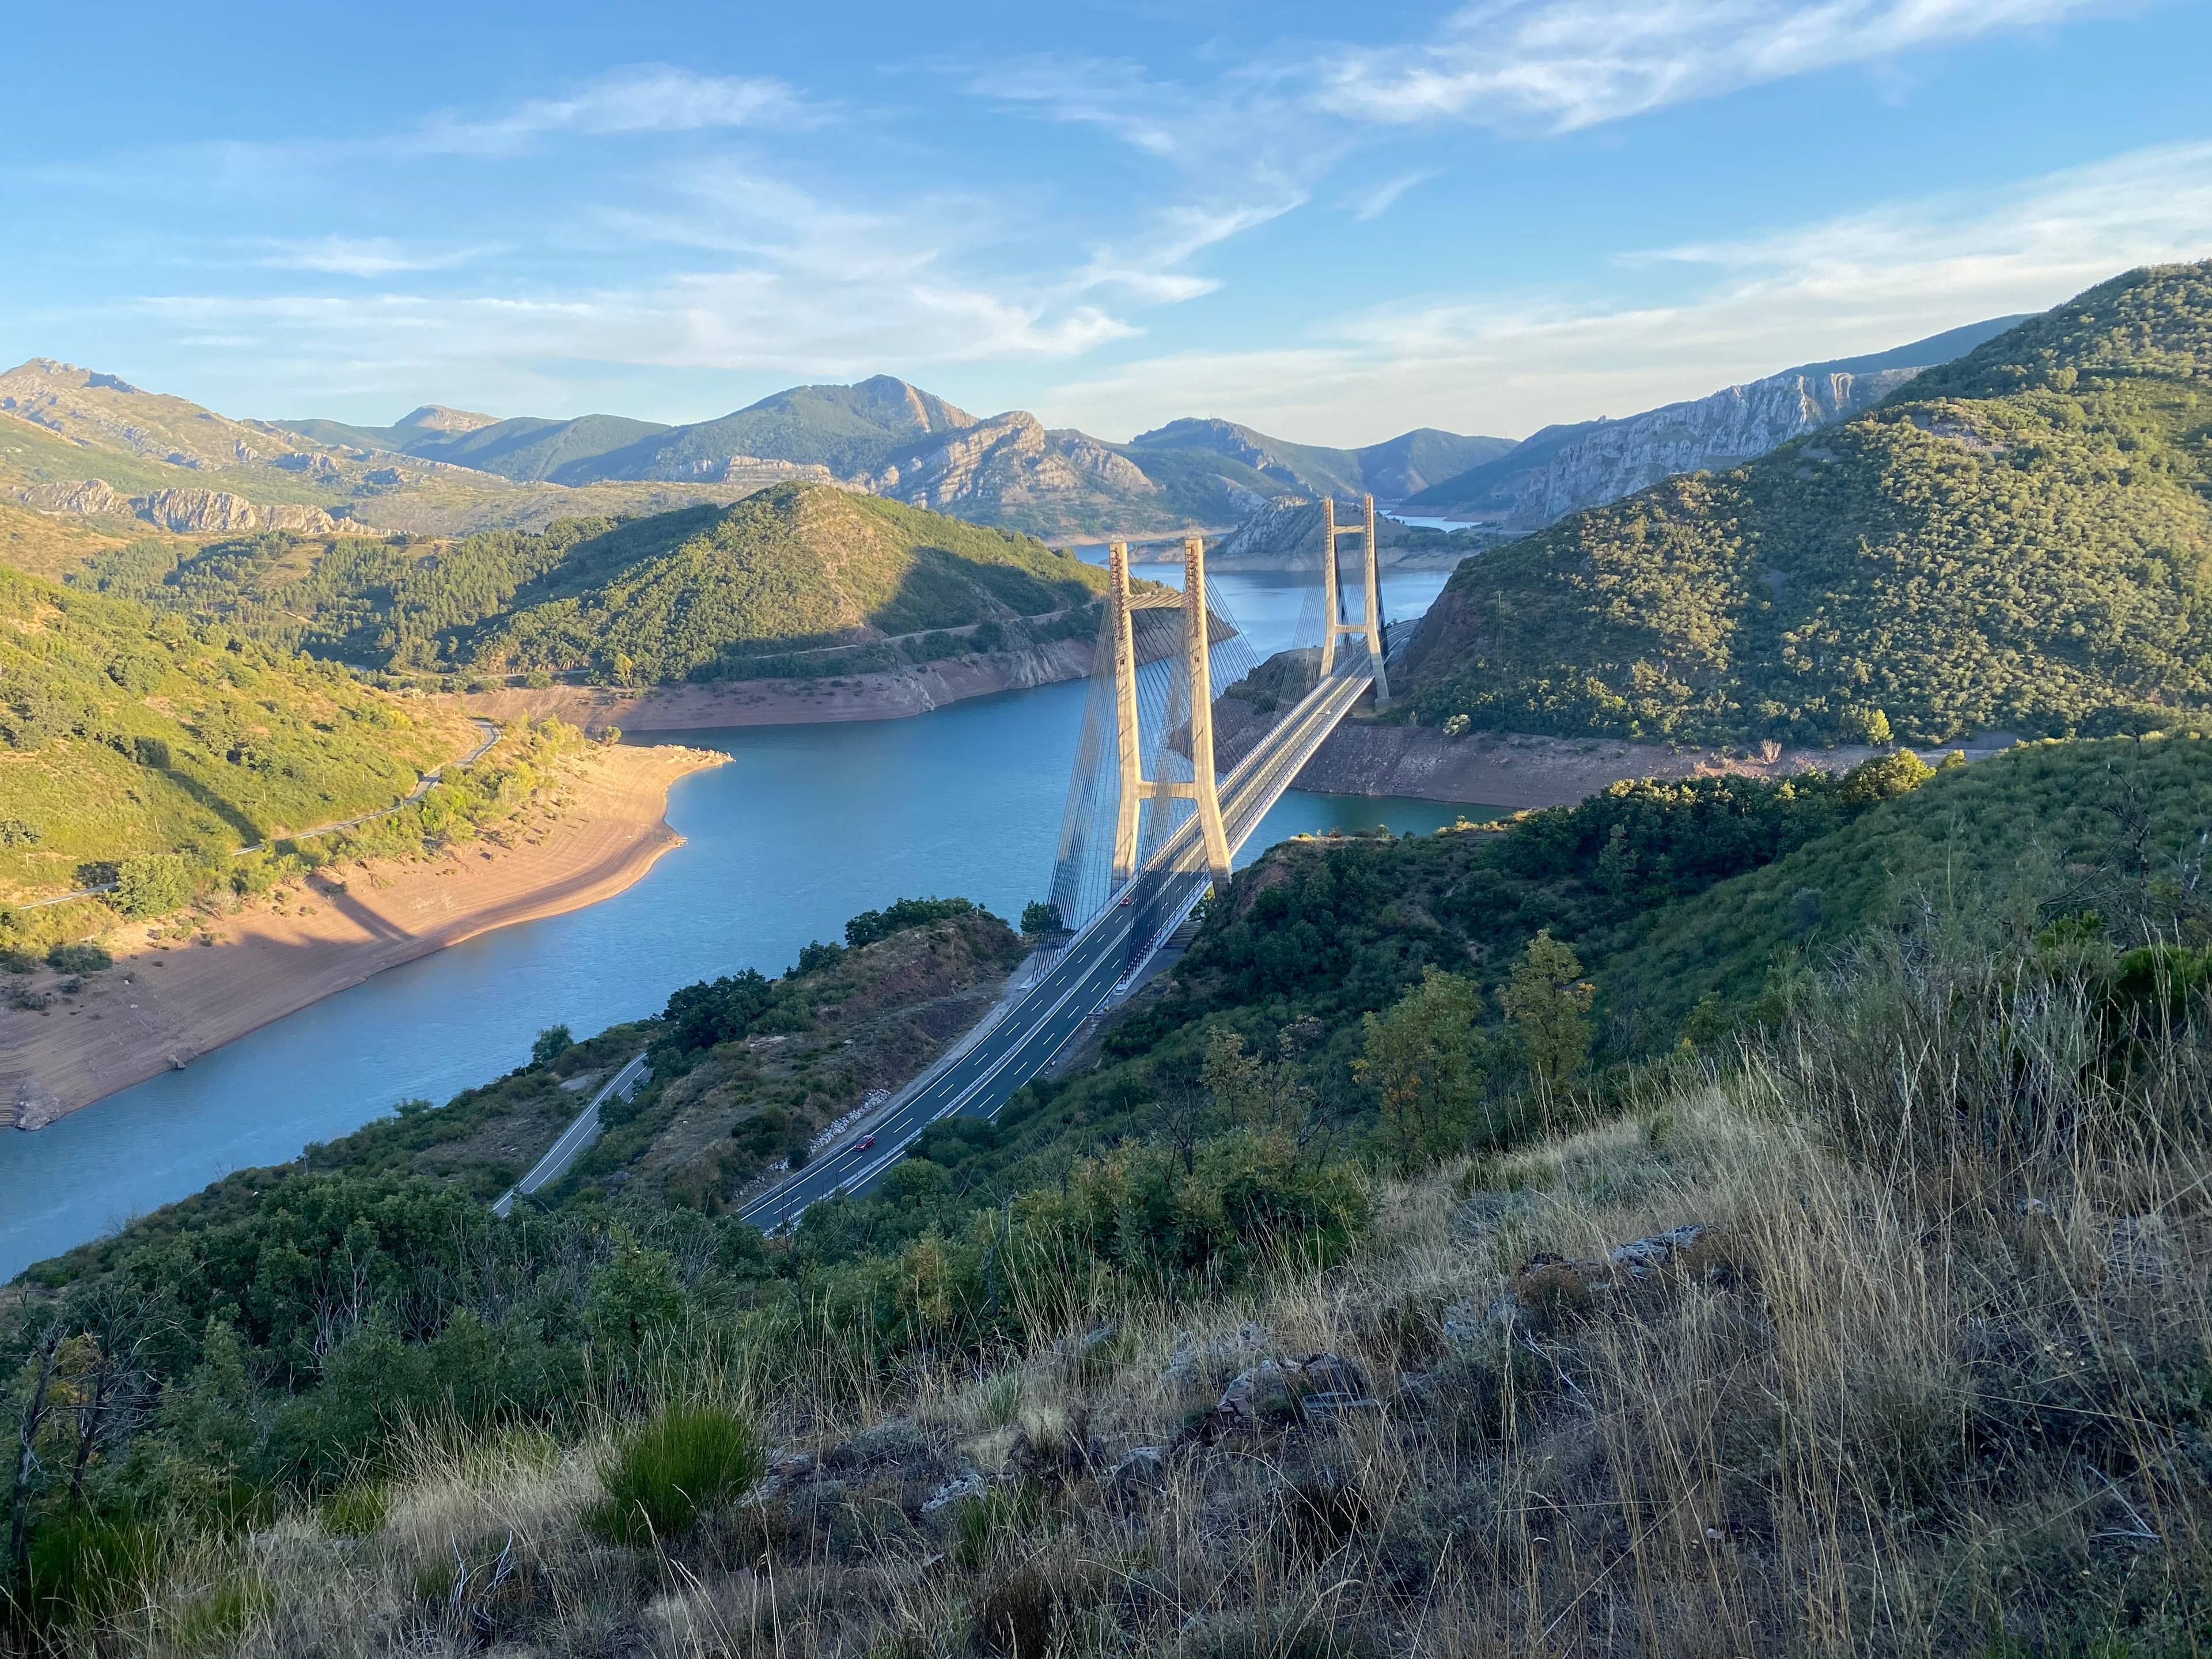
column 1569, row 63
column 1379, row 199
column 637, row 98
column 1826, row 288
column 365, row 256
column 798, row 286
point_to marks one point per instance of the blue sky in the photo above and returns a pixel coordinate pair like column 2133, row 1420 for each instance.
column 1333, row 223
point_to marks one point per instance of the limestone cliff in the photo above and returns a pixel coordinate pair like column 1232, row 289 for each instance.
column 1565, row 469
column 1732, row 426
column 188, row 512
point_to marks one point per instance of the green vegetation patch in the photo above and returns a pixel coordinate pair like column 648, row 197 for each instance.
column 2018, row 540
column 795, row 581
column 144, row 749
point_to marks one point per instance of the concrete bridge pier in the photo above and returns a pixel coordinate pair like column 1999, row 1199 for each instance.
column 1369, row 627
column 1204, row 788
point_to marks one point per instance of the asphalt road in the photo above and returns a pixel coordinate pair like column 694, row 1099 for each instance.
column 1109, row 949
column 582, row 1131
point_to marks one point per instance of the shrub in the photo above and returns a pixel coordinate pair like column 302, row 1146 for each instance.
column 872, row 925
column 153, row 885
column 83, row 957
column 552, row 1043
column 669, row 1470
column 83, row 1568
column 356, row 1510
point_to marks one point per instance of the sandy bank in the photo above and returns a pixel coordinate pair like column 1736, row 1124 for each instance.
column 595, row 832
column 789, row 702
column 1520, row 770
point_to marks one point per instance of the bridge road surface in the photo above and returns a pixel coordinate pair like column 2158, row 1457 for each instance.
column 1106, row 951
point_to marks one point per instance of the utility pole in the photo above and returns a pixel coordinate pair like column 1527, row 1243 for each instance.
column 1204, row 788
column 1369, row 627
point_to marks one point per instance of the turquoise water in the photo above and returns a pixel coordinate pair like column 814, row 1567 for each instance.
column 805, row 827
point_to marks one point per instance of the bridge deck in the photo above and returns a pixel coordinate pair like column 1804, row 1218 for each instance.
column 1101, row 955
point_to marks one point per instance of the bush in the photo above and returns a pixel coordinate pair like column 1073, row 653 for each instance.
column 552, row 1043
column 668, row 1471
column 870, row 925
column 153, row 885
column 84, row 957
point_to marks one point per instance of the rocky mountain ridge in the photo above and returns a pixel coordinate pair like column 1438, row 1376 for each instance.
column 1563, row 469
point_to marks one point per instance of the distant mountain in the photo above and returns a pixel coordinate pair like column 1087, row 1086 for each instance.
column 2020, row 539
column 1563, row 468
column 891, row 438
column 77, row 443
column 1390, row 471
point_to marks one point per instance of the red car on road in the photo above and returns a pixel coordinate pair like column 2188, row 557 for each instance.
column 864, row 1143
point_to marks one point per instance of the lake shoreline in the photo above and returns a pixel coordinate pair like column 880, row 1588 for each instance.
column 719, row 704
column 596, row 831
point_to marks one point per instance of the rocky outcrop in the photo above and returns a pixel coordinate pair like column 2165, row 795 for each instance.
column 187, row 512
column 30, row 1105
column 1738, row 424
column 93, row 498
column 436, row 418
column 753, row 471
column 1008, row 461
column 200, row 512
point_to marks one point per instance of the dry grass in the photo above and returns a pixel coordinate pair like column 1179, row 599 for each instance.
column 1951, row 1400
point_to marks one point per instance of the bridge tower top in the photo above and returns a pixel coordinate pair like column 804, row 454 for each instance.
column 1369, row 626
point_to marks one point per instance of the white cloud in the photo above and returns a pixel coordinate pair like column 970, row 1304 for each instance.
column 1828, row 288
column 1152, row 262
column 643, row 98
column 1381, row 198
column 365, row 256
column 1568, row 63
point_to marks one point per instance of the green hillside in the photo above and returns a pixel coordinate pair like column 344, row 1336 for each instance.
column 2018, row 540
column 128, row 734
column 693, row 595
column 699, row 593
column 1340, row 1310
column 527, row 448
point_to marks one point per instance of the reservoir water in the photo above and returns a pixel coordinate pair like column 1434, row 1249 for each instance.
column 806, row 826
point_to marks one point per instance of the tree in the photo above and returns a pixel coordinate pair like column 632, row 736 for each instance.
column 153, row 885
column 552, row 1043
column 1040, row 917
column 1261, row 1092
column 1547, row 1002
column 1420, row 1056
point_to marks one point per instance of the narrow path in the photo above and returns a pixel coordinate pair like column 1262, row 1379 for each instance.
column 429, row 781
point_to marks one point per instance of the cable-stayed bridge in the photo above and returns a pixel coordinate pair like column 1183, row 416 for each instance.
column 1159, row 801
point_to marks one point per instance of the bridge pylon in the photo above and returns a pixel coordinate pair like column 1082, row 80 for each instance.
column 1369, row 627
column 1204, row 787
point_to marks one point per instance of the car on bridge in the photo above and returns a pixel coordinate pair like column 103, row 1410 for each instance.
column 864, row 1143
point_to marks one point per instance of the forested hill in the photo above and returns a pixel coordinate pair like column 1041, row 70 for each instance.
column 2017, row 539
column 701, row 592
column 126, row 737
